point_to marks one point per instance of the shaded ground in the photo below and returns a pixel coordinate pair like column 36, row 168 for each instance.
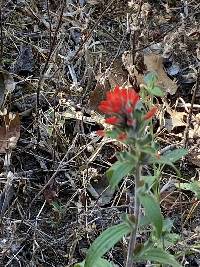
column 53, row 201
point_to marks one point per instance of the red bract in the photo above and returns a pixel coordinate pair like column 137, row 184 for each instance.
column 122, row 137
column 112, row 120
column 150, row 113
column 120, row 101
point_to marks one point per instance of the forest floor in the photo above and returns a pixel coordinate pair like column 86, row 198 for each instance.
column 58, row 58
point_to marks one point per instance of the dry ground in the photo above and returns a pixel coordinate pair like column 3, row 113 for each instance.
column 57, row 60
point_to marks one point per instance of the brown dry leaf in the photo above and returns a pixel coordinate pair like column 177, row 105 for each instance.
column 176, row 120
column 116, row 76
column 194, row 131
column 9, row 133
column 194, row 157
column 7, row 85
column 154, row 63
column 50, row 195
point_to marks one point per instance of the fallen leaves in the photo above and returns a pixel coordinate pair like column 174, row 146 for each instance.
column 176, row 120
column 9, row 132
column 123, row 70
column 153, row 63
column 7, row 85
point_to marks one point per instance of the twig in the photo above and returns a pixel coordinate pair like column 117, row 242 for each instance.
column 45, row 68
column 56, row 172
column 1, row 35
column 35, row 244
column 186, row 134
column 91, row 31
column 133, row 36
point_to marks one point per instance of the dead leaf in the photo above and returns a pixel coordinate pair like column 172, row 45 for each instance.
column 194, row 131
column 9, row 132
column 50, row 195
column 93, row 2
column 7, row 194
column 7, row 85
column 25, row 62
column 154, row 63
column 115, row 76
column 118, row 75
column 176, row 119
column 194, row 157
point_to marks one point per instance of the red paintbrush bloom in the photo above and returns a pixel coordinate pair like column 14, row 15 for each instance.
column 122, row 137
column 150, row 113
column 112, row 120
column 120, row 101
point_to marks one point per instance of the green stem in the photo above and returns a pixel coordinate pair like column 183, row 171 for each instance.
column 136, row 213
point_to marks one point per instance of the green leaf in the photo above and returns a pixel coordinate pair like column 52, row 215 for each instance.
column 157, row 255
column 150, row 79
column 192, row 186
column 149, row 180
column 156, row 91
column 167, row 225
column 152, row 211
column 119, row 170
column 105, row 242
column 98, row 263
column 144, row 221
column 80, row 264
column 173, row 156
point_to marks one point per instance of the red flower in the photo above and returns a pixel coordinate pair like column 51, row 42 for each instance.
column 122, row 137
column 131, row 122
column 120, row 101
column 100, row 133
column 112, row 120
column 150, row 113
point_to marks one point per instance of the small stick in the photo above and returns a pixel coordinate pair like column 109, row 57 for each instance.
column 186, row 134
column 1, row 35
column 53, row 43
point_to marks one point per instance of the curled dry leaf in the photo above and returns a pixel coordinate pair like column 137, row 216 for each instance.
column 9, row 132
column 176, row 119
column 7, row 85
column 7, row 194
column 153, row 63
column 194, row 157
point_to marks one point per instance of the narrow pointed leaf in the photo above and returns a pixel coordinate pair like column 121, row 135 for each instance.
column 152, row 211
column 173, row 156
column 98, row 263
column 119, row 170
column 192, row 186
column 157, row 255
column 105, row 242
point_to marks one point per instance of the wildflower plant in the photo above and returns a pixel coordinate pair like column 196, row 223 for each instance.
column 131, row 118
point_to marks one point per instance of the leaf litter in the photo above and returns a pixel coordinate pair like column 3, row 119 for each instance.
column 60, row 197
